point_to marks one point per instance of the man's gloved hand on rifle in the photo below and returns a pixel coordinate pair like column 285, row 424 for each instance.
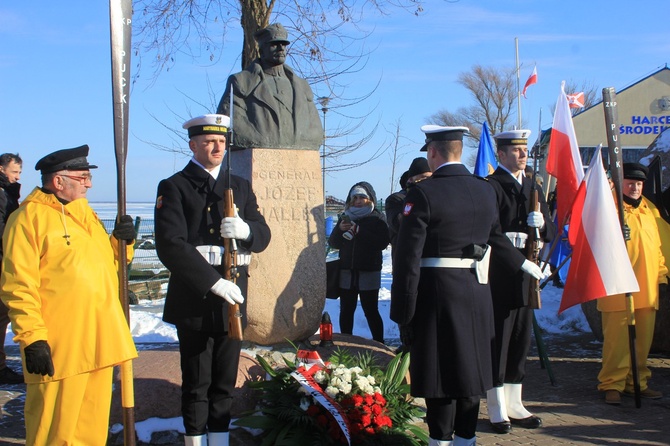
column 38, row 358
column 228, row 291
column 533, row 270
column 535, row 220
column 124, row 229
column 235, row 227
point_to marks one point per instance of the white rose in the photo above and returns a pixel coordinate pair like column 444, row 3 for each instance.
column 332, row 391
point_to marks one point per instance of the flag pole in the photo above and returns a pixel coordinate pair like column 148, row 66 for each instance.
column 120, row 15
column 616, row 169
column 518, row 82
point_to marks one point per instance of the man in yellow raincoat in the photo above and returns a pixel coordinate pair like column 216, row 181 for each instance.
column 644, row 251
column 59, row 281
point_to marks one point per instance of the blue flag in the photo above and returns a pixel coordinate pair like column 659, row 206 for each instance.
column 486, row 156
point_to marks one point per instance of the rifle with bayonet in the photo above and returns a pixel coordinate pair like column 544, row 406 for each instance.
column 230, row 271
column 533, row 244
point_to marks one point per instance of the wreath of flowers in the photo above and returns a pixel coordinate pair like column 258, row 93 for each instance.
column 374, row 403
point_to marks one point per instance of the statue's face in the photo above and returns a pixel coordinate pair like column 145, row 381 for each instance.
column 273, row 53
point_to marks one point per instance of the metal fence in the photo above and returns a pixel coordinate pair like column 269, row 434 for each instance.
column 146, row 273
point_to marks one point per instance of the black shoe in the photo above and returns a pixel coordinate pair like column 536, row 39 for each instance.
column 531, row 422
column 504, row 427
column 9, row 376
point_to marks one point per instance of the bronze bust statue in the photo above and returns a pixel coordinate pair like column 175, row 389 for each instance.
column 273, row 107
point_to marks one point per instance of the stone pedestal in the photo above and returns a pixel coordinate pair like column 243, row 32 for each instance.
column 287, row 283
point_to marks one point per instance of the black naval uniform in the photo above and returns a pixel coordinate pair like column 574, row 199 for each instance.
column 513, row 317
column 188, row 213
column 448, row 311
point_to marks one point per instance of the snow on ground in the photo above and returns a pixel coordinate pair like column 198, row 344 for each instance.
column 147, row 327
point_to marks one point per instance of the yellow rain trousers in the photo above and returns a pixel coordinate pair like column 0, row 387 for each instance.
column 644, row 251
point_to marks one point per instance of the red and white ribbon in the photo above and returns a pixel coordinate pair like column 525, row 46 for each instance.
column 304, row 374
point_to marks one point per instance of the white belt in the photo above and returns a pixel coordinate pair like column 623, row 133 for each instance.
column 518, row 239
column 213, row 254
column 481, row 267
column 446, row 262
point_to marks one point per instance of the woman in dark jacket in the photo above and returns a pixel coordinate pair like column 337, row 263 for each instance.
column 361, row 234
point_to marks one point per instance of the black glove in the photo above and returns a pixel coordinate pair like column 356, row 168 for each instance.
column 124, row 229
column 626, row 232
column 406, row 336
column 38, row 358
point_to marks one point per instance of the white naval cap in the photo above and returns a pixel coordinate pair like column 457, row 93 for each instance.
column 512, row 137
column 442, row 133
column 207, row 124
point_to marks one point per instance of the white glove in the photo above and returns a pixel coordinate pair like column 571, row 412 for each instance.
column 532, row 269
column 235, row 227
column 228, row 291
column 535, row 219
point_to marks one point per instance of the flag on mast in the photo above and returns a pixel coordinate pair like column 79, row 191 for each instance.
column 532, row 79
column 486, row 157
column 576, row 100
column 563, row 160
column 600, row 265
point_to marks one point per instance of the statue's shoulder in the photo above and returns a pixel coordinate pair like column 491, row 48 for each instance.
column 247, row 79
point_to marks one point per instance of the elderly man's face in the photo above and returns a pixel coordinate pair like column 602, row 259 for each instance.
column 273, row 53
column 633, row 188
column 71, row 185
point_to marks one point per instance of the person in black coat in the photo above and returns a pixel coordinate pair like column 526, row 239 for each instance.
column 440, row 292
column 190, row 229
column 393, row 208
column 361, row 234
column 10, row 190
column 513, row 316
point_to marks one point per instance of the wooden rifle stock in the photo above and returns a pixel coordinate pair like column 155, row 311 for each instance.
column 230, row 270
column 533, row 254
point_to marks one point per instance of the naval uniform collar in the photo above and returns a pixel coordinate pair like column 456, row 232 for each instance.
column 214, row 172
column 448, row 163
column 518, row 177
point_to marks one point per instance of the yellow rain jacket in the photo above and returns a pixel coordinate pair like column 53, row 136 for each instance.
column 644, row 251
column 59, row 281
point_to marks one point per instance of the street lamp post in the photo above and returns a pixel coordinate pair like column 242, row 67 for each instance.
column 324, row 100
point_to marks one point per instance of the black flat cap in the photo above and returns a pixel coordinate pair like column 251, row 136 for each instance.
column 418, row 166
column 635, row 171
column 66, row 159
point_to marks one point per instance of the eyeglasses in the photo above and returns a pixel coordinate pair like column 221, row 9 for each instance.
column 82, row 179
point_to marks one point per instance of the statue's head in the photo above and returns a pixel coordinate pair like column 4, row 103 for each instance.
column 272, row 43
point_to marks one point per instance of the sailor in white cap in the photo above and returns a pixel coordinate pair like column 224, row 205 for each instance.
column 513, row 316
column 190, row 229
column 440, row 293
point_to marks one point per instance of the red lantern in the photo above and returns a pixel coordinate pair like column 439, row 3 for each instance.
column 326, row 331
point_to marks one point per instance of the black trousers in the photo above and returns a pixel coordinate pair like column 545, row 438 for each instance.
column 209, row 363
column 512, row 329
column 448, row 416
column 370, row 305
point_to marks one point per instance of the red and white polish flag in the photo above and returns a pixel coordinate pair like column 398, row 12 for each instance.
column 532, row 79
column 600, row 265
